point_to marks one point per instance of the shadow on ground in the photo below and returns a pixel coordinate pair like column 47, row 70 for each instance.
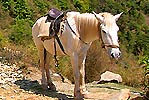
column 36, row 88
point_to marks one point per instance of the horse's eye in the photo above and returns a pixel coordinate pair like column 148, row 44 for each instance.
column 104, row 31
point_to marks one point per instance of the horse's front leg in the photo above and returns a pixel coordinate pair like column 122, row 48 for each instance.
column 81, row 64
column 79, row 74
column 76, row 72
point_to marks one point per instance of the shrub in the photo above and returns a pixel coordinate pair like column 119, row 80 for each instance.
column 21, row 32
column 144, row 61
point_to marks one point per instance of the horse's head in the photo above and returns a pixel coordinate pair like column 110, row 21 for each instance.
column 108, row 33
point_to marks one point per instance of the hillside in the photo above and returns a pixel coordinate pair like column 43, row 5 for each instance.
column 16, row 45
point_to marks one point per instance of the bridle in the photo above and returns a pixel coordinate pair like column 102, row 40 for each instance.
column 103, row 45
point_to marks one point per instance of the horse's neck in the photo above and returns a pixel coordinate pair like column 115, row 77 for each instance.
column 87, row 26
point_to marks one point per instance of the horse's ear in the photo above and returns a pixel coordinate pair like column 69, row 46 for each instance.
column 116, row 17
column 99, row 17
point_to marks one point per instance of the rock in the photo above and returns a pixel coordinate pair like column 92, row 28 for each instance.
column 9, row 74
column 2, row 82
column 110, row 77
column 2, row 98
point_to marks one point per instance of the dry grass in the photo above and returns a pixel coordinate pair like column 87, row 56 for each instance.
column 97, row 62
column 128, row 67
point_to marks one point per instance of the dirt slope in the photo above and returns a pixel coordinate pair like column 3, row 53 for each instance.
column 15, row 85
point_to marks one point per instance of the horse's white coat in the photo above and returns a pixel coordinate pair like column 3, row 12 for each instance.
column 86, row 26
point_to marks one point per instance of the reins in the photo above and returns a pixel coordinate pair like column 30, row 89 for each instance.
column 74, row 32
column 61, row 46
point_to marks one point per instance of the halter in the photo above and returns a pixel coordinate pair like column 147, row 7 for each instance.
column 103, row 45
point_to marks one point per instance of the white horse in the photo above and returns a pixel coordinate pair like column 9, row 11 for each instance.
column 78, row 34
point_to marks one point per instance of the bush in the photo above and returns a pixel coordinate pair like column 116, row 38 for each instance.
column 144, row 61
column 21, row 34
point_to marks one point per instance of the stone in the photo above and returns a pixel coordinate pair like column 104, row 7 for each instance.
column 2, row 82
column 110, row 77
column 2, row 98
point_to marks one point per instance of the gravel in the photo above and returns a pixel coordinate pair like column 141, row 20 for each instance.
column 9, row 74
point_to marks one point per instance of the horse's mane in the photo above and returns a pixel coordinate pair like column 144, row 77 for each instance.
column 87, row 24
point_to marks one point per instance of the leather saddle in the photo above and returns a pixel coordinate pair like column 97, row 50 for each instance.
column 53, row 14
column 55, row 17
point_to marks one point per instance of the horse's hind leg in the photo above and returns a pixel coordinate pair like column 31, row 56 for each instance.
column 47, row 68
column 42, row 66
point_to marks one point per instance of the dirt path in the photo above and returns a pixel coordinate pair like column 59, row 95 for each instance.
column 14, row 85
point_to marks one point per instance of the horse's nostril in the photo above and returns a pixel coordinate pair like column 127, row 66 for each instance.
column 112, row 55
column 119, row 54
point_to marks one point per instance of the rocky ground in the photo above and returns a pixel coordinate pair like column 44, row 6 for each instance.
column 16, row 85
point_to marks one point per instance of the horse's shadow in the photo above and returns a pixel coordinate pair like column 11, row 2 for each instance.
column 36, row 88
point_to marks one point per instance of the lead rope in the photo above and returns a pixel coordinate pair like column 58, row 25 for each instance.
column 55, row 54
column 56, row 61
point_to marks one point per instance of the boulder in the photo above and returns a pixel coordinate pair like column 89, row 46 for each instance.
column 110, row 77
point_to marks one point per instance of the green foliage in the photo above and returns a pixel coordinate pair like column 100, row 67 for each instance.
column 145, row 6
column 63, row 4
column 81, row 5
column 22, row 15
column 21, row 34
column 42, row 6
column 17, row 9
column 133, row 33
column 145, row 62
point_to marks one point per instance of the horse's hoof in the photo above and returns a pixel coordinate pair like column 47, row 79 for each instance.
column 86, row 96
column 82, row 96
column 44, row 87
column 51, row 86
column 79, row 98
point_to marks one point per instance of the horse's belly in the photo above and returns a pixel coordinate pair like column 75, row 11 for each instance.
column 49, row 46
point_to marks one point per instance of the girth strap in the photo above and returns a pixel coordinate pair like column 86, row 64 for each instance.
column 55, row 27
column 59, row 42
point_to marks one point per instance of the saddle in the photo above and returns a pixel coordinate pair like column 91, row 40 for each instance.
column 53, row 14
column 53, row 23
